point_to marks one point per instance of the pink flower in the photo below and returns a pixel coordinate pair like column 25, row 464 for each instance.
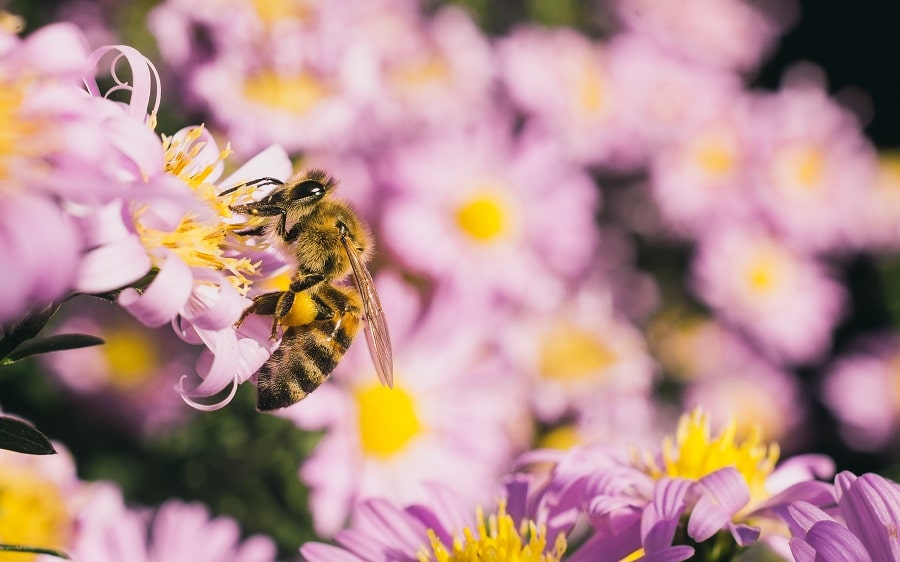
column 565, row 82
column 454, row 415
column 782, row 299
column 814, row 165
column 175, row 531
column 491, row 222
column 723, row 33
column 860, row 388
column 53, row 162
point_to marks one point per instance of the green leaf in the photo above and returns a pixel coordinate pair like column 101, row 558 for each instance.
column 20, row 436
column 59, row 342
column 24, row 328
column 33, row 549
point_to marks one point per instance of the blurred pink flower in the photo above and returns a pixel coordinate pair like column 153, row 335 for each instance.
column 814, row 165
column 577, row 352
column 784, row 300
column 704, row 176
column 732, row 34
column 54, row 161
column 504, row 217
column 565, row 82
column 128, row 380
column 878, row 227
column 862, row 390
column 454, row 416
column 175, row 531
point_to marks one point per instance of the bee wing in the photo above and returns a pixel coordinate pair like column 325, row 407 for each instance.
column 377, row 335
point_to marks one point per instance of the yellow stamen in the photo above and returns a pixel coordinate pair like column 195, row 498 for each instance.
column 387, row 418
column 20, row 141
column 571, row 353
column 715, row 153
column 198, row 241
column 495, row 539
column 32, row 513
column 766, row 270
column 273, row 11
column 297, row 94
column 694, row 454
column 590, row 88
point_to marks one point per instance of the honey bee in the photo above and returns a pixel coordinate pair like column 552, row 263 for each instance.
column 319, row 317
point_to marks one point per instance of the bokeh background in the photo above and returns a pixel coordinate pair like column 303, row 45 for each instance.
column 652, row 337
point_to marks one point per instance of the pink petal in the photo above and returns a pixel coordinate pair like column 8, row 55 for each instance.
column 723, row 493
column 165, row 296
column 113, row 266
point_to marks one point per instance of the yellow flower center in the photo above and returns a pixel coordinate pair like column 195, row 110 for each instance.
column 570, row 353
column 20, row 142
column 495, row 539
column 388, row 422
column 715, row 153
column 694, row 454
column 590, row 88
column 132, row 357
column 767, row 269
column 484, row 216
column 297, row 94
column 199, row 242
column 32, row 513
column 801, row 166
column 562, row 438
column 422, row 74
column 271, row 12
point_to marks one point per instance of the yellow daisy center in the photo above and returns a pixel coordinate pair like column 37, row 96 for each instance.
column 199, row 242
column 767, row 269
column 694, row 453
column 32, row 513
column 562, row 438
column 484, row 216
column 271, row 12
column 20, row 141
column 570, row 353
column 714, row 153
column 387, row 420
column 800, row 166
column 132, row 356
column 590, row 88
column 296, row 93
column 420, row 74
column 495, row 539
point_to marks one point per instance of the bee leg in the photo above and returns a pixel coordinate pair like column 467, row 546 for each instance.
column 259, row 182
column 262, row 304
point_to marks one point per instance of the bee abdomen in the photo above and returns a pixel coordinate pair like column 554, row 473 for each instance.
column 304, row 360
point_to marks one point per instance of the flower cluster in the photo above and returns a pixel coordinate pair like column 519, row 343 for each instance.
column 580, row 231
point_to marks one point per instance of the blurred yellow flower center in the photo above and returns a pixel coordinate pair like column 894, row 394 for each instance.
column 694, row 454
column 562, row 438
column 18, row 133
column 131, row 355
column 888, row 179
column 32, row 513
column 714, row 153
column 766, row 270
column 274, row 11
column 495, row 539
column 484, row 216
column 590, row 88
column 571, row 353
column 421, row 73
column 800, row 165
column 387, row 420
column 198, row 242
column 296, row 93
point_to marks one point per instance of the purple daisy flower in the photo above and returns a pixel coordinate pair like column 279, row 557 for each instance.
column 863, row 528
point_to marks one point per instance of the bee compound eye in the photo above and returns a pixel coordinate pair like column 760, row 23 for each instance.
column 309, row 189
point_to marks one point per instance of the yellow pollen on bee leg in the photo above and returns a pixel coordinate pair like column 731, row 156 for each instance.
column 32, row 512
column 387, row 418
column 303, row 311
